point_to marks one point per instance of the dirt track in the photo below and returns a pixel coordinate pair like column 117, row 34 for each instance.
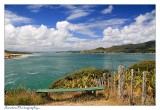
column 99, row 102
column 102, row 102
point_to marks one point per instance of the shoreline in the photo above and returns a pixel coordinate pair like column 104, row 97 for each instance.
column 15, row 56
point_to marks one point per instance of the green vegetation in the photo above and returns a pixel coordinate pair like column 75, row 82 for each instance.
column 148, row 65
column 139, row 68
column 22, row 96
column 147, row 47
column 81, row 79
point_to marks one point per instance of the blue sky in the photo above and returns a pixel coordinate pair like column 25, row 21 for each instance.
column 76, row 27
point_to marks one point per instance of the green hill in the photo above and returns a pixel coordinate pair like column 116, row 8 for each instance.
column 146, row 47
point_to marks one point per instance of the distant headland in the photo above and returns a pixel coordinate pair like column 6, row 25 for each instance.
column 146, row 47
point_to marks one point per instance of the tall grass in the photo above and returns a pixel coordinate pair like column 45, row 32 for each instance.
column 22, row 96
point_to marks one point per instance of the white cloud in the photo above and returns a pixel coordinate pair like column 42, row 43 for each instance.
column 144, row 18
column 69, row 6
column 143, row 29
column 11, row 18
column 42, row 38
column 107, row 10
column 31, row 38
column 77, row 15
column 89, row 27
column 104, row 23
column 35, row 8
column 76, row 12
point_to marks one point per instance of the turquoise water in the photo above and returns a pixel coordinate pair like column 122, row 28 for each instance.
column 40, row 70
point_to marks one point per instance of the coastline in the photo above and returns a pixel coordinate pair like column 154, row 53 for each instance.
column 13, row 56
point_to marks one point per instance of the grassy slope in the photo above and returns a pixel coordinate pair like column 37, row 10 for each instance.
column 81, row 78
column 148, row 65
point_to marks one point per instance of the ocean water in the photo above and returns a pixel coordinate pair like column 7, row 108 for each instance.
column 40, row 70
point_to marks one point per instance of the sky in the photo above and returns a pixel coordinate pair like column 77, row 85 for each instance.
column 50, row 28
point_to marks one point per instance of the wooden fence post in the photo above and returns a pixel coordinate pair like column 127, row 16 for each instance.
column 104, row 79
column 120, row 87
column 144, row 89
column 96, row 82
column 114, row 81
column 108, row 81
column 131, row 95
column 99, row 83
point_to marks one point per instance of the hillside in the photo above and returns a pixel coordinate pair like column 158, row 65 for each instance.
column 146, row 47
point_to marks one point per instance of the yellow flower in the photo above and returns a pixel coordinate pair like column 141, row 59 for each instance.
column 138, row 91
column 150, row 89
